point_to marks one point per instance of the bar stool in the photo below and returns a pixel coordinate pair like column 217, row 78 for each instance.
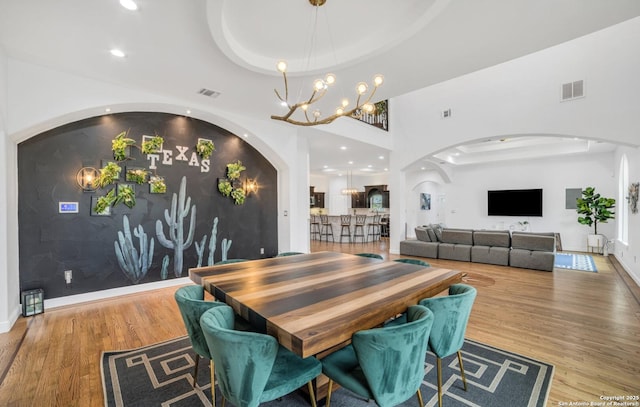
column 359, row 227
column 345, row 224
column 326, row 229
column 373, row 228
column 314, row 227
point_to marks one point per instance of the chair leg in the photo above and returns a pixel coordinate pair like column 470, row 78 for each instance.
column 439, row 363
column 311, row 395
column 195, row 371
column 420, row 402
column 213, row 384
column 329, row 393
column 464, row 380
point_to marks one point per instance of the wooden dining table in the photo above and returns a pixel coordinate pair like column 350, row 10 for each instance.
column 313, row 303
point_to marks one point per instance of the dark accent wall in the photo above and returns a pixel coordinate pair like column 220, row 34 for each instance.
column 51, row 242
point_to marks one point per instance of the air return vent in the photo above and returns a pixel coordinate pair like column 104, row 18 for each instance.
column 572, row 90
column 209, row 93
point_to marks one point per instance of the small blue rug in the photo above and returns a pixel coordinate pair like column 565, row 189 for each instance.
column 582, row 262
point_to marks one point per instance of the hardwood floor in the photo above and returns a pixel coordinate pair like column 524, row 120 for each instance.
column 586, row 324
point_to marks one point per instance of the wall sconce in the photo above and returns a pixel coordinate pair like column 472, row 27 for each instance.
column 86, row 178
column 250, row 186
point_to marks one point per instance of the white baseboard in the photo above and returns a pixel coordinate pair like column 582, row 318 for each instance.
column 114, row 292
column 5, row 326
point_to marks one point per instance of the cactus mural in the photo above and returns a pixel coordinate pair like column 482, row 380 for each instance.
column 226, row 245
column 180, row 207
column 164, row 271
column 200, row 249
column 212, row 242
column 134, row 265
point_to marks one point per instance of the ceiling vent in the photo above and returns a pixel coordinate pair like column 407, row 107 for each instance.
column 572, row 90
column 209, row 93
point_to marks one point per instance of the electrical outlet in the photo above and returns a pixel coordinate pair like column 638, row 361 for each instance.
column 262, row 250
column 68, row 275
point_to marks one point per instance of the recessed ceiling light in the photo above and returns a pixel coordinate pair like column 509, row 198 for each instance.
column 350, row 162
column 343, row 148
column 325, row 166
column 381, row 157
column 107, row 109
column 117, row 53
column 245, row 135
column 188, row 111
column 129, row 4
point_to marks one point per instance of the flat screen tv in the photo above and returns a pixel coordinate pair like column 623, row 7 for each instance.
column 515, row 202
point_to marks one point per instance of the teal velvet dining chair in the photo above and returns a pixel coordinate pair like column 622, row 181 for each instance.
column 192, row 305
column 451, row 315
column 384, row 364
column 413, row 261
column 251, row 367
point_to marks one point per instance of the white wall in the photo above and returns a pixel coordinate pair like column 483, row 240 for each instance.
column 466, row 196
column 629, row 254
column 522, row 96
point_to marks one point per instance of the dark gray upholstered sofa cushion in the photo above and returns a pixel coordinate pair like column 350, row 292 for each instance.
column 452, row 251
column 532, row 250
column 499, row 238
column 419, row 248
column 457, row 236
column 490, row 255
column 545, row 242
column 532, row 259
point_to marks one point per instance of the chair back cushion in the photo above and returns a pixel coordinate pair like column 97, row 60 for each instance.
column 243, row 360
column 192, row 305
column 451, row 315
column 392, row 357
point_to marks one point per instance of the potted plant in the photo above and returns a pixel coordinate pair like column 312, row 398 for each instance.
column 137, row 175
column 234, row 170
column 595, row 209
column 238, row 196
column 224, row 186
column 126, row 195
column 104, row 202
column 157, row 185
column 151, row 145
column 205, row 148
column 120, row 146
column 108, row 174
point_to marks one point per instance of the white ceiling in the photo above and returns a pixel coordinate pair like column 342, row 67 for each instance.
column 175, row 48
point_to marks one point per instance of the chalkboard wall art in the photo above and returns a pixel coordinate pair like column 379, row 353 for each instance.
column 149, row 241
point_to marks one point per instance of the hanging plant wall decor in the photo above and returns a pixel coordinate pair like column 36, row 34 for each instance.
column 205, row 148
column 110, row 173
column 157, row 185
column 137, row 175
column 121, row 146
column 232, row 186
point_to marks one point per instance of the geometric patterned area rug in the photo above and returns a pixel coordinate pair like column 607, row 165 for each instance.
column 161, row 375
column 582, row 262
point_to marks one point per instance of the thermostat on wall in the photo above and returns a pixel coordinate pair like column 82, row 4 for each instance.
column 67, row 207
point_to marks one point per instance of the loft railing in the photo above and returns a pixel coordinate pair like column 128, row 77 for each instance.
column 379, row 119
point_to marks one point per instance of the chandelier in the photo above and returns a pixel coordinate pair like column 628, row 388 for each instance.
column 313, row 117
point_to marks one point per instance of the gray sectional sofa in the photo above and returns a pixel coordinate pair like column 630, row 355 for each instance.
column 517, row 249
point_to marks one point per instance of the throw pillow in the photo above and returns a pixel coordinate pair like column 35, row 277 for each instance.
column 422, row 235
